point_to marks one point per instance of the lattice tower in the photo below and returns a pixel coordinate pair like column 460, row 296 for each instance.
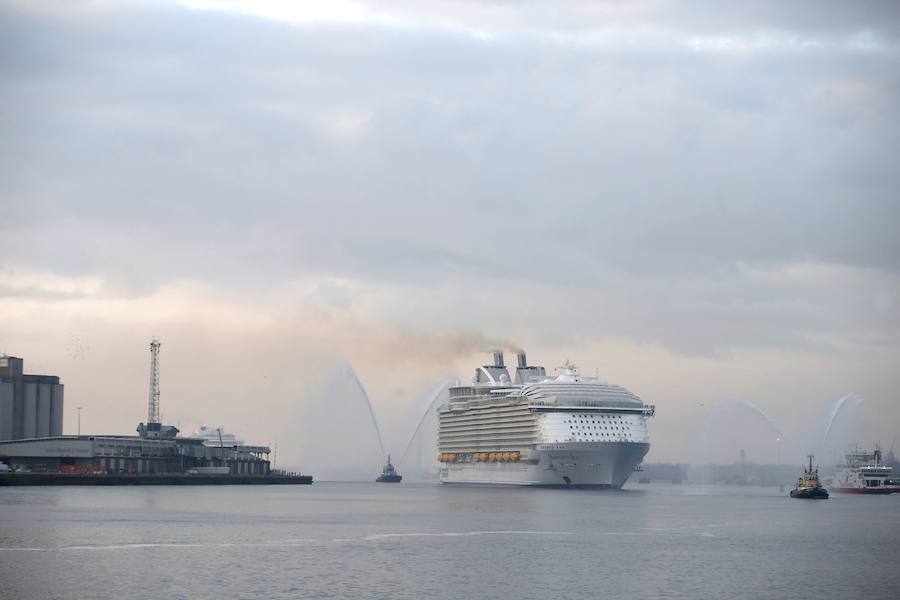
column 153, row 411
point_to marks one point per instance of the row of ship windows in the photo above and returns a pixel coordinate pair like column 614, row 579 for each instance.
column 599, row 427
column 592, row 419
column 489, row 419
column 582, row 419
column 599, row 434
column 491, row 423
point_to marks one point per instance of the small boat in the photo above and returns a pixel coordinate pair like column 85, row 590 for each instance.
column 389, row 474
column 808, row 485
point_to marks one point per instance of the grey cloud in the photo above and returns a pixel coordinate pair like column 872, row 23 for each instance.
column 685, row 17
column 152, row 144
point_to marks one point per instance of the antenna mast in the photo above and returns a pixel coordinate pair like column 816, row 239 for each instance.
column 153, row 411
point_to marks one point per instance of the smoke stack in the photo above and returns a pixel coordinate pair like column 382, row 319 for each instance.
column 521, row 356
column 498, row 358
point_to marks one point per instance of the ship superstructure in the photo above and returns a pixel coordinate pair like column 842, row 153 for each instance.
column 216, row 437
column 534, row 429
column 864, row 473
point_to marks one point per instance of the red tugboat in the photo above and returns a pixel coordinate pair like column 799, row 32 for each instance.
column 864, row 473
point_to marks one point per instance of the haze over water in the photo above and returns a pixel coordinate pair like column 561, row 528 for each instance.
column 365, row 540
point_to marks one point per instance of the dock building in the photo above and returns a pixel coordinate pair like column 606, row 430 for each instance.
column 31, row 411
column 132, row 454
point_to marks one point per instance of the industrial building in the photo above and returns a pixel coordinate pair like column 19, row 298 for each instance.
column 31, row 413
column 131, row 454
column 31, row 406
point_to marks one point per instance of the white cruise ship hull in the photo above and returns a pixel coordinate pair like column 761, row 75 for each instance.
column 573, row 464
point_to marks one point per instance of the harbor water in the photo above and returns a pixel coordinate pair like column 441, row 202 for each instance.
column 368, row 540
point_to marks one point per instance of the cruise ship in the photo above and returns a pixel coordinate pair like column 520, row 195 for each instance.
column 216, row 437
column 566, row 430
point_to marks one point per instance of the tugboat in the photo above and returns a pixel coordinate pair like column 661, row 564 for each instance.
column 389, row 474
column 808, row 485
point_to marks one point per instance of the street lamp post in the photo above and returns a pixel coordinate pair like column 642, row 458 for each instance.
column 78, row 408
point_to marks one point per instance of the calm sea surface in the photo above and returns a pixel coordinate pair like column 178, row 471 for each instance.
column 345, row 540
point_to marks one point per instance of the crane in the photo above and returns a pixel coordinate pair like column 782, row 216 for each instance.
column 221, row 445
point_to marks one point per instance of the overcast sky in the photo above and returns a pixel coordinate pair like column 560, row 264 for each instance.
column 698, row 203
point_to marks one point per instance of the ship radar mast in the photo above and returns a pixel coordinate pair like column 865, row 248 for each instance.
column 569, row 367
column 153, row 409
column 569, row 372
